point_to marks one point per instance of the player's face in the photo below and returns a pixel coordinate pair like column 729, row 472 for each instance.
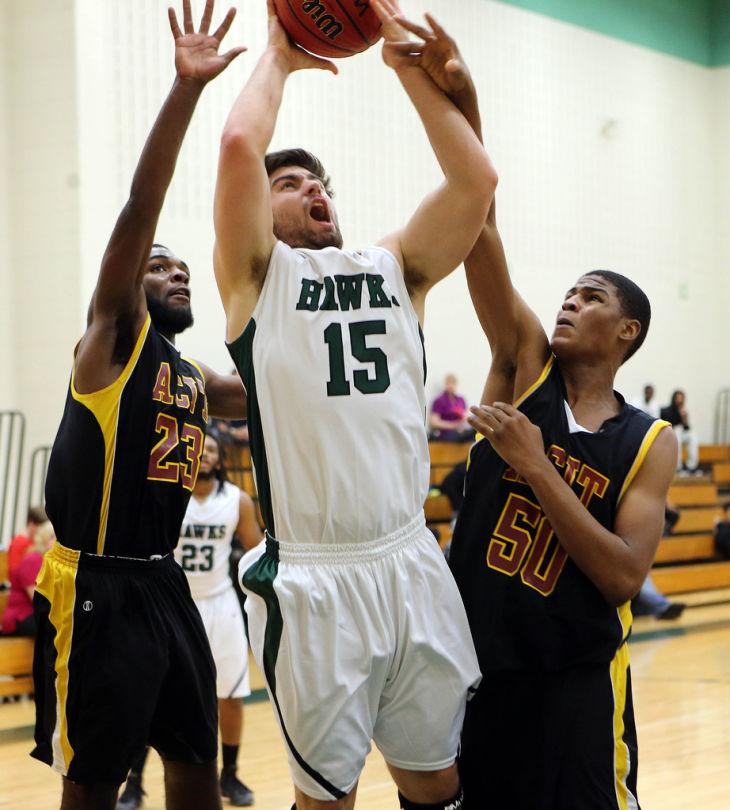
column 304, row 215
column 209, row 459
column 166, row 285
column 590, row 325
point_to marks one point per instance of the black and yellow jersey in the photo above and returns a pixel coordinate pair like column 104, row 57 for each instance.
column 125, row 458
column 529, row 605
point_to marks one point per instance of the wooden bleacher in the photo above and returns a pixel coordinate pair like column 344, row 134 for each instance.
column 16, row 666
column 685, row 561
column 16, row 654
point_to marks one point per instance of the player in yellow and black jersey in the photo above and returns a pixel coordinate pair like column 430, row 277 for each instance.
column 121, row 655
column 562, row 513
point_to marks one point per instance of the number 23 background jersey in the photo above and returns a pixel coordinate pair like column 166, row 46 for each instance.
column 529, row 605
column 125, row 458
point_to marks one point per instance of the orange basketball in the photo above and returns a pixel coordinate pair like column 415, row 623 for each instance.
column 331, row 28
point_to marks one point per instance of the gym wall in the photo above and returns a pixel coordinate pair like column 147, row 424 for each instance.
column 610, row 155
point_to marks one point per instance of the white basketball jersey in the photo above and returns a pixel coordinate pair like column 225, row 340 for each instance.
column 334, row 366
column 205, row 541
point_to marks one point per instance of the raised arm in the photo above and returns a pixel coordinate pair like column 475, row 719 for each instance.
column 226, row 394
column 441, row 232
column 242, row 212
column 517, row 340
column 118, row 307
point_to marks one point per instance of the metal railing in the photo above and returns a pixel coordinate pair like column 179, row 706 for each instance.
column 35, row 493
column 12, row 439
column 722, row 417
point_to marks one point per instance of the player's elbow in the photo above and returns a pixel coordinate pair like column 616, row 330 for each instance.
column 622, row 587
column 480, row 183
column 237, row 145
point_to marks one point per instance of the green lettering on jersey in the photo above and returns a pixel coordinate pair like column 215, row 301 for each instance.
column 349, row 291
column 330, row 302
column 378, row 297
column 310, row 295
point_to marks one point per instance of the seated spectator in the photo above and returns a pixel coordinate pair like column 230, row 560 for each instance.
column 230, row 431
column 18, row 619
column 651, row 602
column 676, row 414
column 22, row 542
column 722, row 532
column 647, row 402
column 448, row 415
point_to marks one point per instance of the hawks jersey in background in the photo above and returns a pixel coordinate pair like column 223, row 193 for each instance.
column 333, row 364
column 125, row 458
column 205, row 541
column 529, row 605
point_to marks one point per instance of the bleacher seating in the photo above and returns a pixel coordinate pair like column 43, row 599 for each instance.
column 685, row 560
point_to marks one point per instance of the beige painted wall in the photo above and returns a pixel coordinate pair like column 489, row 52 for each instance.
column 609, row 156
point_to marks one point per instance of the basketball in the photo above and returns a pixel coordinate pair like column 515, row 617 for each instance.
column 331, row 28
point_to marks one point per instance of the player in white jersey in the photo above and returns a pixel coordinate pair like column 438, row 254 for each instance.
column 217, row 510
column 353, row 615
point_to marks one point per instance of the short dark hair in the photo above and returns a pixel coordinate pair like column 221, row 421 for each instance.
column 634, row 304
column 298, row 157
column 36, row 515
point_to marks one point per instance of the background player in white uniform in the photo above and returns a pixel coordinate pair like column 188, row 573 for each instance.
column 217, row 510
column 352, row 613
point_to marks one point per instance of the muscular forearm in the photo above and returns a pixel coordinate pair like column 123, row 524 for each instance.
column 454, row 142
column 604, row 557
column 467, row 102
column 255, row 111
column 156, row 164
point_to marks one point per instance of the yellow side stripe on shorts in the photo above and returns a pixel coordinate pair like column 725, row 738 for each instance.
column 621, row 760
column 57, row 583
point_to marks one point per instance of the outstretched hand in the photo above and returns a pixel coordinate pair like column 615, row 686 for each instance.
column 437, row 52
column 196, row 54
column 296, row 57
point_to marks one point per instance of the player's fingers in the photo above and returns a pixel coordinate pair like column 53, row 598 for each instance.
column 324, row 64
column 207, row 16
column 504, row 408
column 174, row 27
column 188, row 18
column 491, row 411
column 229, row 56
column 455, row 66
column 484, row 415
column 415, row 48
column 380, row 10
column 222, row 29
column 414, row 28
column 437, row 28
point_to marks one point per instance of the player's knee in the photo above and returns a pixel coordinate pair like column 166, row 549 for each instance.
column 456, row 802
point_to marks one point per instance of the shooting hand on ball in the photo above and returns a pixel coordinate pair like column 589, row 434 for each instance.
column 297, row 58
column 196, row 54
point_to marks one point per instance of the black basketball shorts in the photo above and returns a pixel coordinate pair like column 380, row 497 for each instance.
column 121, row 661
column 552, row 740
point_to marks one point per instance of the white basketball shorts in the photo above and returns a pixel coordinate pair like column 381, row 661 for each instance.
column 223, row 622
column 360, row 642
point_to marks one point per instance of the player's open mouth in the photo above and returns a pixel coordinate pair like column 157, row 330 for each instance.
column 319, row 211
column 181, row 293
column 563, row 322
